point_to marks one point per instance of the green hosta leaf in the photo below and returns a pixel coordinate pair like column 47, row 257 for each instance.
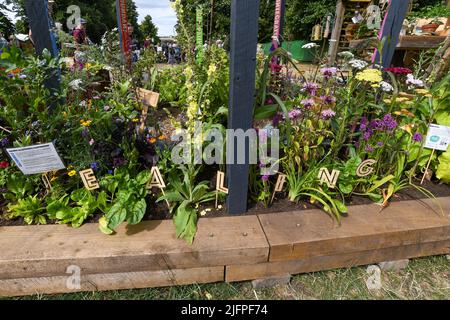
column 103, row 226
column 443, row 169
column 143, row 177
column 345, row 188
column 137, row 211
column 116, row 215
column 186, row 223
column 443, row 118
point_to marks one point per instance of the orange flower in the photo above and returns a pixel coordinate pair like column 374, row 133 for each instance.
column 162, row 137
column 152, row 140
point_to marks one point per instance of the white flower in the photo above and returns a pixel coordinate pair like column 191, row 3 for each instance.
column 83, row 103
column 386, row 87
column 76, row 84
column 346, row 55
column 358, row 64
column 310, row 45
column 410, row 80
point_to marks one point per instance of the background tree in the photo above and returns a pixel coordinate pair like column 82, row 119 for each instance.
column 148, row 29
column 6, row 26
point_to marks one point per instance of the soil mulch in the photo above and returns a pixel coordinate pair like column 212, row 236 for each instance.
column 159, row 211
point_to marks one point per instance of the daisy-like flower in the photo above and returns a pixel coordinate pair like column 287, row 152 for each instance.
column 76, row 84
column 386, row 87
column 307, row 103
column 85, row 123
column 346, row 55
column 72, row 173
column 358, row 64
column 328, row 114
column 410, row 80
column 329, row 72
column 310, row 45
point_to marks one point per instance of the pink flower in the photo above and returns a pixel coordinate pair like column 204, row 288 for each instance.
column 91, row 142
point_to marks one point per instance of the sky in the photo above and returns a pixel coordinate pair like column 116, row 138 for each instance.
column 163, row 15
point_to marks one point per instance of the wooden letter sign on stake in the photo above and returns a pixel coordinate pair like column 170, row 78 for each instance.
column 279, row 186
column 329, row 178
column 89, row 180
column 243, row 44
column 149, row 99
column 365, row 169
column 157, row 181
column 220, row 186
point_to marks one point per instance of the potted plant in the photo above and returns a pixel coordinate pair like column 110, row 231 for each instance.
column 431, row 26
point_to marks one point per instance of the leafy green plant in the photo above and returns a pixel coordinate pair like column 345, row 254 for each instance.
column 84, row 204
column 126, row 198
column 31, row 209
column 185, row 195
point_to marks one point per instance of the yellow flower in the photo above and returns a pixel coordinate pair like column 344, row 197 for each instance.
column 85, row 123
column 387, row 101
column 211, row 70
column 88, row 66
column 370, row 75
column 65, row 114
column 53, row 179
column 135, row 120
column 72, row 173
column 162, row 137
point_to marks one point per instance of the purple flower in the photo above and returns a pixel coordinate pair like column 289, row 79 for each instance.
column 85, row 133
column 328, row 72
column 328, row 114
column 95, row 166
column 380, row 144
column 367, row 135
column 389, row 122
column 417, row 137
column 265, row 178
column 4, row 142
column 110, row 172
column 311, row 88
column 308, row 103
column 363, row 125
column 368, row 148
column 294, row 114
column 3, row 190
column 328, row 99
column 276, row 119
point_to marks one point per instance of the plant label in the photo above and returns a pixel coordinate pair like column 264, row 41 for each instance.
column 36, row 159
column 281, row 181
column 330, row 179
column 156, row 179
column 365, row 168
column 220, row 182
column 46, row 181
column 148, row 98
column 438, row 137
column 89, row 180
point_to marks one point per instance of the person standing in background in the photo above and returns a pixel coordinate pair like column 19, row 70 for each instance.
column 79, row 33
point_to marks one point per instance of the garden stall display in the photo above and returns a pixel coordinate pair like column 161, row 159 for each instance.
column 360, row 174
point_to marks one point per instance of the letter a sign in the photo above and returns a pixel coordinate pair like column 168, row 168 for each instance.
column 156, row 179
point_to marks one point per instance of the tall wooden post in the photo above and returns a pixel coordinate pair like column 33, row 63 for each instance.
column 43, row 37
column 244, row 38
column 336, row 34
column 390, row 31
column 125, row 38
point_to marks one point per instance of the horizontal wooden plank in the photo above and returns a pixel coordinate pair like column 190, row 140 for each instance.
column 234, row 273
column 305, row 234
column 112, row 281
column 40, row 251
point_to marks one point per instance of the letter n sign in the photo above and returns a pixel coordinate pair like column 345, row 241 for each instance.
column 244, row 38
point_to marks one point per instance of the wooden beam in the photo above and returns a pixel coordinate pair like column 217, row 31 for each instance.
column 336, row 34
column 45, row 251
column 244, row 38
column 42, row 37
column 390, row 31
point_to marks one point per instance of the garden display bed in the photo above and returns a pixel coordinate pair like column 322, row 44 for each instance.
column 34, row 259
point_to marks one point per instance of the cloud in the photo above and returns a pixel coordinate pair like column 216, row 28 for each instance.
column 163, row 15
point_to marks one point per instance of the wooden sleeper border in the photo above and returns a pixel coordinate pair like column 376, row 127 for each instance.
column 35, row 259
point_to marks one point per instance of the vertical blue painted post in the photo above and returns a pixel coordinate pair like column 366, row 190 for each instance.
column 390, row 31
column 244, row 38
column 43, row 37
